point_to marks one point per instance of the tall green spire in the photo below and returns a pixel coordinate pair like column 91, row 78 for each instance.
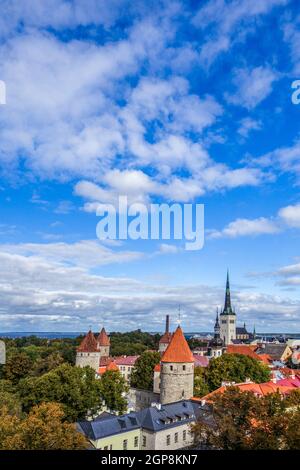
column 227, row 307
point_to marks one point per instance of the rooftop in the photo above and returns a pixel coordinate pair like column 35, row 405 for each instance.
column 88, row 344
column 178, row 349
column 154, row 418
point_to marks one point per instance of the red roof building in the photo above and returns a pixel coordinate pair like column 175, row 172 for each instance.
column 245, row 350
column 178, row 349
column 103, row 339
column 88, row 344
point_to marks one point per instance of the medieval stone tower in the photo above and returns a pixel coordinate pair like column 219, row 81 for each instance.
column 227, row 318
column 88, row 352
column 103, row 343
column 166, row 337
column 177, row 370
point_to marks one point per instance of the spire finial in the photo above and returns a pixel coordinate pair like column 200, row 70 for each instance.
column 179, row 315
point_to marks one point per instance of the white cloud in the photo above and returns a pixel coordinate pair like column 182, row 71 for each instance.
column 43, row 293
column 86, row 253
column 292, row 36
column 252, row 86
column 246, row 227
column 228, row 22
column 285, row 158
column 290, row 215
column 247, row 125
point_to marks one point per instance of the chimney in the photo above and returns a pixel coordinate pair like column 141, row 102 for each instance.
column 167, row 323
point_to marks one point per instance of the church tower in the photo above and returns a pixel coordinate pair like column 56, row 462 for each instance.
column 227, row 318
column 166, row 337
column 88, row 353
column 103, row 343
column 216, row 345
column 177, row 370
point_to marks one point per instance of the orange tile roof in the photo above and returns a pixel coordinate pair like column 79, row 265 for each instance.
column 259, row 389
column 88, row 344
column 243, row 349
column 110, row 366
column 178, row 349
column 157, row 368
column 266, row 358
column 103, row 339
column 166, row 338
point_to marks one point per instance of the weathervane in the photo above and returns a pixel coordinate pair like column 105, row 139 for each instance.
column 179, row 315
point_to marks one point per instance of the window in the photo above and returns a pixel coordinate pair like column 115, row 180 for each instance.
column 176, row 437
column 171, row 367
column 136, row 441
column 125, row 444
column 184, row 435
column 168, row 439
column 224, row 322
column 183, row 367
column 232, row 321
column 144, row 441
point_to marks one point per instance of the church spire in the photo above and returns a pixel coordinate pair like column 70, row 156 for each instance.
column 227, row 307
column 217, row 325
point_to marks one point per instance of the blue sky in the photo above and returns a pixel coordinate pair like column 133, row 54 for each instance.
column 163, row 102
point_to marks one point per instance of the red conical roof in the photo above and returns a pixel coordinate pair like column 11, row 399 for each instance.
column 166, row 338
column 88, row 344
column 178, row 349
column 103, row 339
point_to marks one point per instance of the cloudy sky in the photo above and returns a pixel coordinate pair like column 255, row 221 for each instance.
column 162, row 101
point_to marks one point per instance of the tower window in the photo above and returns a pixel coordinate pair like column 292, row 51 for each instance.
column 168, row 439
column 171, row 367
column 183, row 367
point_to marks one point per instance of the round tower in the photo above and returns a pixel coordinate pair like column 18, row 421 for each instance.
column 177, row 370
column 103, row 343
column 88, row 353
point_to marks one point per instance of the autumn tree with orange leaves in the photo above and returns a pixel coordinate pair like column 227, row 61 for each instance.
column 43, row 428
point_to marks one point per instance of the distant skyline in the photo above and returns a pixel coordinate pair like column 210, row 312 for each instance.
column 162, row 101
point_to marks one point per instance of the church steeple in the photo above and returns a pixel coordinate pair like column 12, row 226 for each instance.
column 217, row 326
column 227, row 306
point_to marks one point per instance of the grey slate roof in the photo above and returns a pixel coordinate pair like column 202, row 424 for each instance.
column 152, row 419
column 241, row 331
column 274, row 350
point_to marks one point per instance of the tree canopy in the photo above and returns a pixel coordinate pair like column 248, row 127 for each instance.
column 243, row 421
column 43, row 428
column 75, row 388
column 113, row 388
column 234, row 368
column 142, row 373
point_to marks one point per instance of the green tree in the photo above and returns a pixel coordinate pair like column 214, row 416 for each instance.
column 18, row 365
column 11, row 401
column 235, row 368
column 142, row 373
column 113, row 388
column 75, row 388
column 44, row 365
column 243, row 421
column 200, row 385
column 43, row 429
